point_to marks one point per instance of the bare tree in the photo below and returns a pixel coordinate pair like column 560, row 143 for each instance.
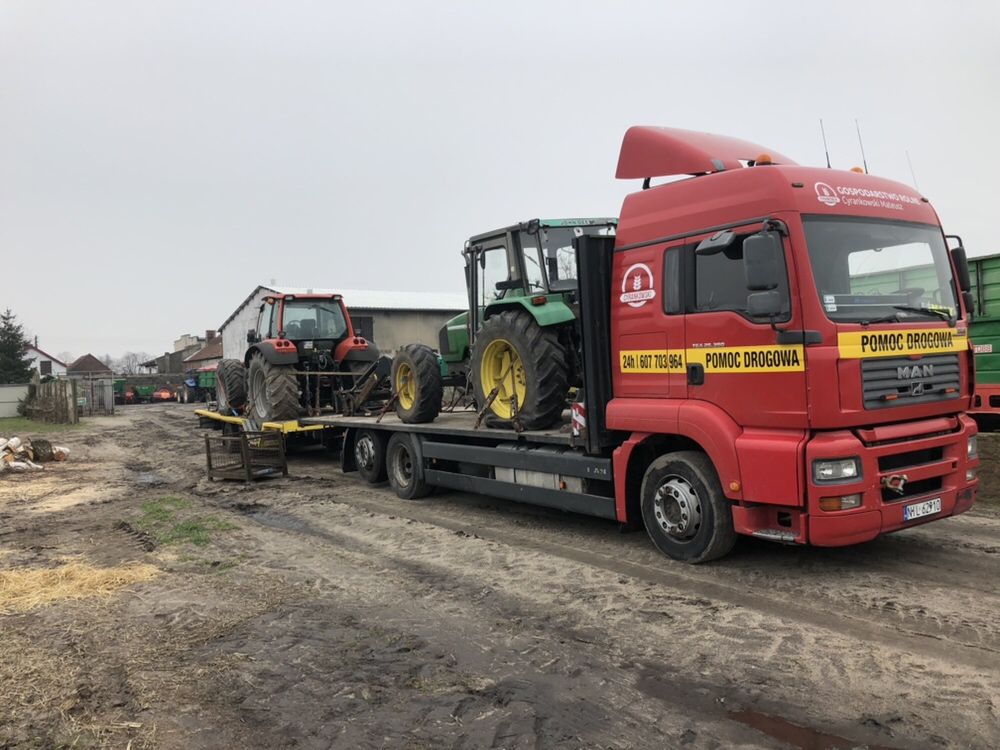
column 129, row 362
column 66, row 357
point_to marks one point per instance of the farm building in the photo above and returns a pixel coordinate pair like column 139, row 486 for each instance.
column 390, row 319
column 44, row 363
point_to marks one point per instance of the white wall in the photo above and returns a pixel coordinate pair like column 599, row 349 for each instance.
column 9, row 396
column 234, row 334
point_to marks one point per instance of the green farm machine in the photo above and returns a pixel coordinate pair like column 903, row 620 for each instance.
column 518, row 345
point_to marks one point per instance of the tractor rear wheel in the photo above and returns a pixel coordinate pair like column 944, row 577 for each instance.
column 525, row 364
column 273, row 391
column 417, row 383
column 230, row 385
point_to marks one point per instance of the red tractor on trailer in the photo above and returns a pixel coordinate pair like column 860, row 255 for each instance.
column 737, row 378
column 302, row 357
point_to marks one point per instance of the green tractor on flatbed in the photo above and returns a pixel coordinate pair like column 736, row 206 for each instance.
column 518, row 345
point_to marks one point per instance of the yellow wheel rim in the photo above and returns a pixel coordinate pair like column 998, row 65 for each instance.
column 501, row 368
column 406, row 386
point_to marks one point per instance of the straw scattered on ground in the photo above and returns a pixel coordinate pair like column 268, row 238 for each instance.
column 24, row 589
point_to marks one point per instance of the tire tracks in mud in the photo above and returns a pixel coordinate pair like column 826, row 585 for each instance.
column 950, row 644
column 720, row 707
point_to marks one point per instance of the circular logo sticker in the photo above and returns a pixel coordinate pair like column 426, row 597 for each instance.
column 826, row 194
column 637, row 285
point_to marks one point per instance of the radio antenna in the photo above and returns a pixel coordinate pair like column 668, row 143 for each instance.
column 912, row 173
column 825, row 148
column 862, row 144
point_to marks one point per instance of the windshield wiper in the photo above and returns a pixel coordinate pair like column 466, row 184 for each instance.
column 943, row 314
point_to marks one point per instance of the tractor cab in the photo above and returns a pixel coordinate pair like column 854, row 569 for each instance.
column 529, row 266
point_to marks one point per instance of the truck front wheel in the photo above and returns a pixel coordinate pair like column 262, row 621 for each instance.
column 685, row 513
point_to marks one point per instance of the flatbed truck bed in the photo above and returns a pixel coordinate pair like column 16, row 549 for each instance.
column 454, row 424
column 541, row 467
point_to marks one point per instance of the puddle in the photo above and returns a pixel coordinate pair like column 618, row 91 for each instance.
column 148, row 478
column 795, row 735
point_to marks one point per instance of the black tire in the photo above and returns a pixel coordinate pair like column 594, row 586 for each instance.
column 544, row 362
column 230, row 385
column 406, row 474
column 272, row 391
column 685, row 513
column 417, row 365
column 369, row 455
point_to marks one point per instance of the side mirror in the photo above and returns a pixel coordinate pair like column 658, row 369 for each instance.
column 764, row 304
column 509, row 284
column 961, row 262
column 969, row 304
column 251, row 336
column 762, row 261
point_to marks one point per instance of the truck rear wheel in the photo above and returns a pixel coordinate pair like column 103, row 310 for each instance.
column 417, row 383
column 273, row 391
column 520, row 360
column 685, row 513
column 230, row 385
column 369, row 455
column 406, row 473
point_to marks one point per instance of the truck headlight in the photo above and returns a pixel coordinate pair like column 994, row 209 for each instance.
column 972, row 449
column 836, row 470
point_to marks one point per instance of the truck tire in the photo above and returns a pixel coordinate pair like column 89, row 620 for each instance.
column 417, row 384
column 685, row 513
column 230, row 385
column 272, row 391
column 517, row 356
column 369, row 455
column 406, row 473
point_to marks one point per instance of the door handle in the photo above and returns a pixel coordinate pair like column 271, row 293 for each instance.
column 696, row 374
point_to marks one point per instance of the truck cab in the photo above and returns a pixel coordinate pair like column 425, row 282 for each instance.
column 743, row 325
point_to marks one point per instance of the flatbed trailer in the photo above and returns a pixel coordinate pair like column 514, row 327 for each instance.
column 541, row 467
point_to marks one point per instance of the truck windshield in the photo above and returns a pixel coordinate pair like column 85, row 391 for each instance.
column 313, row 319
column 877, row 271
column 557, row 254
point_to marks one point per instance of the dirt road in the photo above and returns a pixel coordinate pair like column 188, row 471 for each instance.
column 317, row 612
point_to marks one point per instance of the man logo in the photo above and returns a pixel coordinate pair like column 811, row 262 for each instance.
column 826, row 194
column 917, row 388
column 914, row 371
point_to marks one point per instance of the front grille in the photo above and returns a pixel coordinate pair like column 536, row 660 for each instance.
column 901, row 381
column 895, row 461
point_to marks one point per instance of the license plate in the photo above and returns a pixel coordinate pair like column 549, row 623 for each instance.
column 919, row 510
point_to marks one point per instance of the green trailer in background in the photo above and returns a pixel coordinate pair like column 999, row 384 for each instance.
column 198, row 386
column 985, row 333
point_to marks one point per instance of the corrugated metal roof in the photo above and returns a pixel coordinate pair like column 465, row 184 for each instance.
column 371, row 299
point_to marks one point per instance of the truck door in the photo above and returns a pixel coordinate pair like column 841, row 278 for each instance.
column 733, row 360
column 648, row 323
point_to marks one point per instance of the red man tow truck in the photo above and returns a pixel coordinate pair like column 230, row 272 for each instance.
column 739, row 375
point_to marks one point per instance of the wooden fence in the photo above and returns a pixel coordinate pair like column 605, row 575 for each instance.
column 54, row 401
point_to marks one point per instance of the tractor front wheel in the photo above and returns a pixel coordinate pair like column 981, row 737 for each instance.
column 273, row 391
column 417, row 384
column 523, row 367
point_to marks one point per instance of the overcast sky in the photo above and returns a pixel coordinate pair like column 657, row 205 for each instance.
column 159, row 159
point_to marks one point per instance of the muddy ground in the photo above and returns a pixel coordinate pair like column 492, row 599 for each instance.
column 317, row 612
